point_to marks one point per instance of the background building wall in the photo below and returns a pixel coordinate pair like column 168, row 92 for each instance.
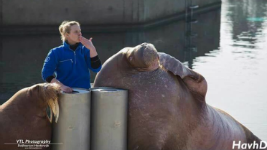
column 90, row 12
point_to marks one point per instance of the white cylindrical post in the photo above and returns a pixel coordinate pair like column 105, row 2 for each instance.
column 109, row 119
column 72, row 131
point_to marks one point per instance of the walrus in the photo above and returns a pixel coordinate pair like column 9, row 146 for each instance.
column 23, row 118
column 167, row 106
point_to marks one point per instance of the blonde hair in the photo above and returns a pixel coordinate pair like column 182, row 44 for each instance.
column 65, row 28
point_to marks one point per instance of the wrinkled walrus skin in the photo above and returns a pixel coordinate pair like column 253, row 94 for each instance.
column 167, row 108
column 23, row 116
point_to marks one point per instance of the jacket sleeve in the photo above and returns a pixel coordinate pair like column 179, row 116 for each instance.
column 50, row 64
column 88, row 61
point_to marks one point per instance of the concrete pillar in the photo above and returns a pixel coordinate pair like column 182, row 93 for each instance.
column 72, row 131
column 109, row 119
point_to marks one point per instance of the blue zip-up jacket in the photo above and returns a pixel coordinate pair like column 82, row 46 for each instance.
column 70, row 67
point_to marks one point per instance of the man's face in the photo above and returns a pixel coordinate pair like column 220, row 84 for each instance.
column 74, row 35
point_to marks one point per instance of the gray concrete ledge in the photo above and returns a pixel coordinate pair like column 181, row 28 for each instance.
column 53, row 29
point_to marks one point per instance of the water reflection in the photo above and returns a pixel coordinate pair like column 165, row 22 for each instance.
column 21, row 57
column 236, row 70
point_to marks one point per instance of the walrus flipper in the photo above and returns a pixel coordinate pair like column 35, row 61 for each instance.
column 194, row 81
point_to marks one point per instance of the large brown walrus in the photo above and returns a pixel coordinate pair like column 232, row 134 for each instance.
column 23, row 118
column 167, row 108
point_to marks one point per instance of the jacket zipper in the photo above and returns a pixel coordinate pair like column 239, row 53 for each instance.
column 75, row 57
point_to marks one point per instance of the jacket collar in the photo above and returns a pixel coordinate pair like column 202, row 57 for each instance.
column 67, row 46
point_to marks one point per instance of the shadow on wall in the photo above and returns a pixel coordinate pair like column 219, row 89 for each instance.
column 21, row 57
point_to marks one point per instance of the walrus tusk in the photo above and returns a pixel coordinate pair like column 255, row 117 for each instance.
column 51, row 116
column 56, row 114
column 54, row 108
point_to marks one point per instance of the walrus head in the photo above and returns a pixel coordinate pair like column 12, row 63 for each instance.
column 48, row 94
column 143, row 57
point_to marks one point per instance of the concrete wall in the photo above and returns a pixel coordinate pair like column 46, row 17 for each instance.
column 89, row 12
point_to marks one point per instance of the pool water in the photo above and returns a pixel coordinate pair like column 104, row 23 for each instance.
column 236, row 70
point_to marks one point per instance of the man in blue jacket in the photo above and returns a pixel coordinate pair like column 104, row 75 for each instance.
column 68, row 65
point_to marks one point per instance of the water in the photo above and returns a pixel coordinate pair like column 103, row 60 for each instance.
column 236, row 70
column 230, row 53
